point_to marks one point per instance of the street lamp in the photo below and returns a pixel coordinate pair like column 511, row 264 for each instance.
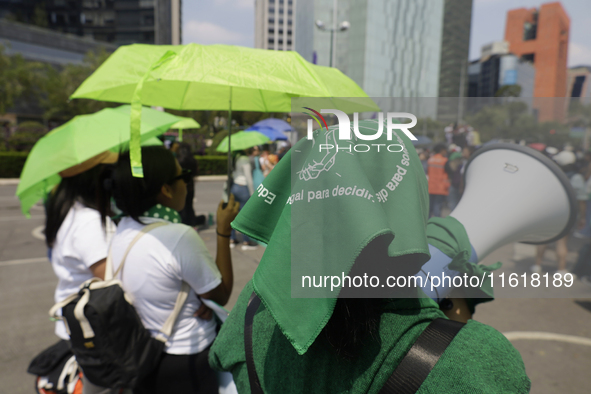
column 343, row 26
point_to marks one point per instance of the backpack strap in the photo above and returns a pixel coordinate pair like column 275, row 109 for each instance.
column 166, row 329
column 253, row 378
column 406, row 378
column 422, row 357
column 109, row 274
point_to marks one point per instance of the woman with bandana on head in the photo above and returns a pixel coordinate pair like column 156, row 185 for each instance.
column 317, row 316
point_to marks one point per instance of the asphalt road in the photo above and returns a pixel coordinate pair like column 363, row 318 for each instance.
column 552, row 335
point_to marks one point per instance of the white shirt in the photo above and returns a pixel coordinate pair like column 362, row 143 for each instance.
column 153, row 273
column 578, row 183
column 81, row 241
column 243, row 173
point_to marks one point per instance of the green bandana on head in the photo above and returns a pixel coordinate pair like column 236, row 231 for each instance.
column 320, row 208
column 159, row 211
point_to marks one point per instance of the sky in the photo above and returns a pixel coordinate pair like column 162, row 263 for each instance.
column 232, row 22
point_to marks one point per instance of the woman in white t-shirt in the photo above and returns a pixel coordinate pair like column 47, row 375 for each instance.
column 165, row 257
column 77, row 241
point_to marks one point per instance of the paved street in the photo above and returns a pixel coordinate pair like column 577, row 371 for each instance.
column 558, row 363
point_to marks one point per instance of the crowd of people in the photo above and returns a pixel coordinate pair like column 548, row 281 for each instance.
column 99, row 209
column 251, row 167
column 444, row 168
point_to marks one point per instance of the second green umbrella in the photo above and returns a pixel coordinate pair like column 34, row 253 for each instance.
column 78, row 140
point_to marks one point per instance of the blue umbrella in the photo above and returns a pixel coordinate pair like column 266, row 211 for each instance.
column 273, row 123
column 273, row 134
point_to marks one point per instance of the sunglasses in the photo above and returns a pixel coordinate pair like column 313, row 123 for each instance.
column 186, row 176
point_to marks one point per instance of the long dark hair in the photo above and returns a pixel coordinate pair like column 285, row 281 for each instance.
column 133, row 196
column 82, row 188
column 353, row 321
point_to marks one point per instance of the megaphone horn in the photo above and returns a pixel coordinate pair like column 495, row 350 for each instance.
column 512, row 194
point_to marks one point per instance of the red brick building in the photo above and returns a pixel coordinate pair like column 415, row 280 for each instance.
column 541, row 36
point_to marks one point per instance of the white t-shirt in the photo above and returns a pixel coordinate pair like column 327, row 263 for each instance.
column 153, row 273
column 81, row 241
column 243, row 173
column 578, row 183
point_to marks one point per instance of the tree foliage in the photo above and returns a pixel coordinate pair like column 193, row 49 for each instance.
column 18, row 79
column 60, row 83
column 26, row 135
column 513, row 120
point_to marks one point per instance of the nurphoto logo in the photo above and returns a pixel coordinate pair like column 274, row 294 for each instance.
column 344, row 133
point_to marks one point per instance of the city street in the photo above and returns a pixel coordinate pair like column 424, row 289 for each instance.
column 552, row 335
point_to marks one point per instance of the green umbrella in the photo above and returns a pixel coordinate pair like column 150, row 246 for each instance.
column 243, row 140
column 78, row 140
column 210, row 77
column 185, row 123
column 204, row 77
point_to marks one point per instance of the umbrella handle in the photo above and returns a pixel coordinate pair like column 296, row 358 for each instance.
column 230, row 180
column 229, row 183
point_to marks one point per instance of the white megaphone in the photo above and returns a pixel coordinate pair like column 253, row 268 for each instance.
column 512, row 194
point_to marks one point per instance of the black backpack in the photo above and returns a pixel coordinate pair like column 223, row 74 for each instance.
column 110, row 343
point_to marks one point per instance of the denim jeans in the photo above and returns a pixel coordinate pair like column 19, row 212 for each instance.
column 435, row 203
column 241, row 194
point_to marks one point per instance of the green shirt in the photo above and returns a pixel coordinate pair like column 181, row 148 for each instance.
column 479, row 359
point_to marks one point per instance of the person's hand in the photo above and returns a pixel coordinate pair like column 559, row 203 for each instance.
column 225, row 216
column 204, row 312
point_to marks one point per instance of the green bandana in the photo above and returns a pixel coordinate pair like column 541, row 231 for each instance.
column 159, row 211
column 317, row 211
column 449, row 236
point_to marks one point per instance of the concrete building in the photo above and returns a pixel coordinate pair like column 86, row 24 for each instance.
column 455, row 48
column 541, row 37
column 392, row 48
column 119, row 22
column 46, row 46
column 496, row 69
column 275, row 24
column 579, row 84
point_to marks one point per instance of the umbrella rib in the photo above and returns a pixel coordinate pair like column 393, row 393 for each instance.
column 263, row 100
column 184, row 95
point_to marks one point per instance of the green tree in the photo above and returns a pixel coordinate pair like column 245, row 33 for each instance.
column 509, row 91
column 40, row 16
column 26, row 135
column 60, row 83
column 18, row 79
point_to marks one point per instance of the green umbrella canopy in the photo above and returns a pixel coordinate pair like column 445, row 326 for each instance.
column 200, row 77
column 243, row 140
column 211, row 77
column 82, row 138
column 186, row 123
